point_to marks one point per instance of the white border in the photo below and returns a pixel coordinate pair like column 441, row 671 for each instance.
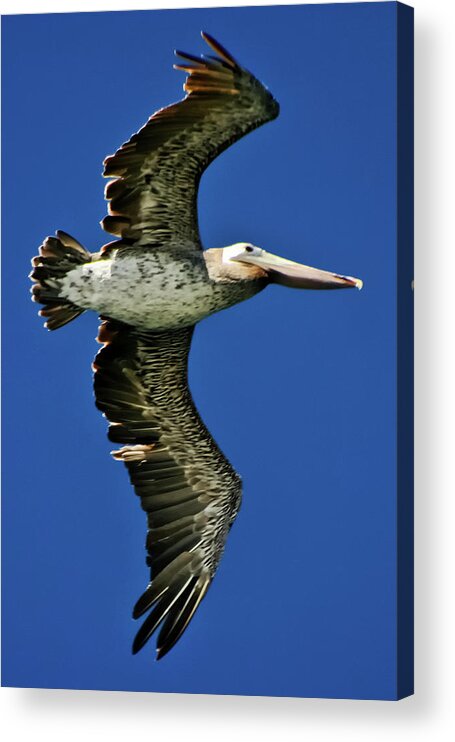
column 76, row 715
column 70, row 6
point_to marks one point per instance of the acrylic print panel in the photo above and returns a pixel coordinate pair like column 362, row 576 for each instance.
column 298, row 387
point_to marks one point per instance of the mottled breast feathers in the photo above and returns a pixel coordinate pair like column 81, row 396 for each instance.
column 153, row 200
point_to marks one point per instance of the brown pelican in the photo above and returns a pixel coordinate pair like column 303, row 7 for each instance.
column 151, row 287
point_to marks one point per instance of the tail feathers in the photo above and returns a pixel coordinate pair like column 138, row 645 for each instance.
column 57, row 256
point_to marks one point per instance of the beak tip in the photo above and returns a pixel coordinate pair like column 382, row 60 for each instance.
column 352, row 282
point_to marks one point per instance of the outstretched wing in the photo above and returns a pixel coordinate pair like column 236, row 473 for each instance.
column 153, row 201
column 188, row 489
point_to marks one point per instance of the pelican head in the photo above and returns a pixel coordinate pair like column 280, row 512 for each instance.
column 286, row 272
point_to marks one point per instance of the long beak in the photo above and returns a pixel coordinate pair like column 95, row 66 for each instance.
column 298, row 276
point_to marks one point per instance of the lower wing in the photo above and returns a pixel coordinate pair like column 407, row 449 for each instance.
column 187, row 487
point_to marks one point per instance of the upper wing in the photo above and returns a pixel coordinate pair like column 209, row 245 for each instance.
column 153, row 201
column 188, row 489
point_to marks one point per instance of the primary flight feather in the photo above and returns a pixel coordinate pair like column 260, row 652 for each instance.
column 151, row 286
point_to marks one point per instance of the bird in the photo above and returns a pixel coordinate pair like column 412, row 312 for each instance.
column 150, row 286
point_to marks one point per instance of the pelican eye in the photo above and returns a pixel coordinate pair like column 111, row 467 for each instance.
column 248, row 248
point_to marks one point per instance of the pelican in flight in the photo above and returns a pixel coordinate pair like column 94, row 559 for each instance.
column 151, row 286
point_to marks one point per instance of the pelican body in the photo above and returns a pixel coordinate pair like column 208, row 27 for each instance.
column 151, row 286
column 160, row 289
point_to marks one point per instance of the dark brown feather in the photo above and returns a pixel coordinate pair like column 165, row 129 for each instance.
column 153, row 198
column 177, row 621
column 188, row 489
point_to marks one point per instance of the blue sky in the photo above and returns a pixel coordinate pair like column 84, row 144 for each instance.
column 297, row 387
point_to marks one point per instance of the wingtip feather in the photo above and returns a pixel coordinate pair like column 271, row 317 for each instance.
column 219, row 49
